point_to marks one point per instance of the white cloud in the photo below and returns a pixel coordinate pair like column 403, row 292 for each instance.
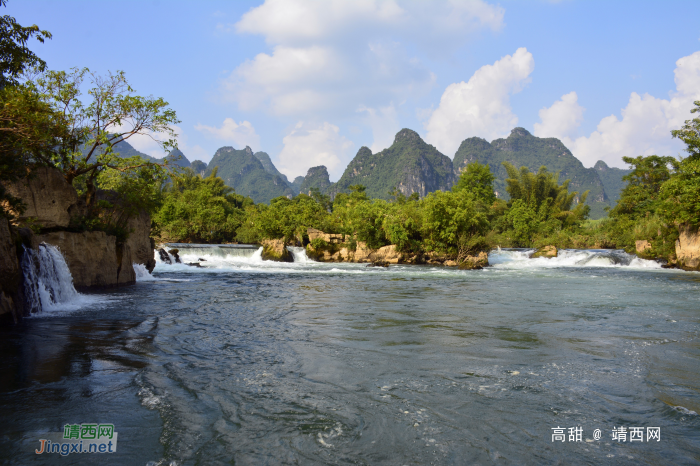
column 237, row 134
column 384, row 122
column 481, row 106
column 561, row 119
column 645, row 127
column 328, row 57
column 309, row 145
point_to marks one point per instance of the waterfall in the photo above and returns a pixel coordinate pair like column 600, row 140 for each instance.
column 299, row 254
column 142, row 273
column 48, row 283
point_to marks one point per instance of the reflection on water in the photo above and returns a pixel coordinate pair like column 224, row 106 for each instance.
column 249, row 362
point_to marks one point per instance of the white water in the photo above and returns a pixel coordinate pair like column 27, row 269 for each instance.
column 48, row 283
column 299, row 254
column 142, row 273
column 520, row 259
column 501, row 260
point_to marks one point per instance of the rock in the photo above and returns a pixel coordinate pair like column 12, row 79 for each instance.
column 475, row 262
column 378, row 264
column 642, row 245
column 327, row 237
column 50, row 200
column 450, row 263
column 176, row 255
column 164, row 257
column 10, row 273
column 688, row 249
column 93, row 258
column 361, row 253
column 139, row 240
column 387, row 254
column 545, row 251
column 194, row 264
column 201, row 260
column 275, row 250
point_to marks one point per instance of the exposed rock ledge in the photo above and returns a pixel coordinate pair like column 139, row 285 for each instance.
column 688, row 249
column 94, row 258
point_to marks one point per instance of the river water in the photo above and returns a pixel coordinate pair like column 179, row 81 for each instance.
column 244, row 362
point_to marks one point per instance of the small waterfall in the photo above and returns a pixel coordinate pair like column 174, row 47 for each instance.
column 48, row 283
column 299, row 254
column 142, row 273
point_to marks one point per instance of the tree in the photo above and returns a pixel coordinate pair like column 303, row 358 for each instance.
column 477, row 179
column 84, row 136
column 15, row 56
column 690, row 133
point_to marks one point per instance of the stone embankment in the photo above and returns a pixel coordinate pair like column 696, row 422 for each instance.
column 94, row 258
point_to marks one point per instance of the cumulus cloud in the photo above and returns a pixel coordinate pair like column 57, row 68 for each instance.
column 309, row 145
column 480, row 106
column 562, row 119
column 238, row 135
column 645, row 126
column 384, row 122
column 327, row 57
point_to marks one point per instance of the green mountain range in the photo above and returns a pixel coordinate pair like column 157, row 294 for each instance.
column 523, row 149
column 413, row 166
column 245, row 173
column 409, row 165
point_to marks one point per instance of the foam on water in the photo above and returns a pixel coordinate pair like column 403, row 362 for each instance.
column 520, row 259
column 142, row 273
column 48, row 283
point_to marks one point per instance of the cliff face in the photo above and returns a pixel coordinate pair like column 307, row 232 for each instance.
column 316, row 177
column 49, row 199
column 410, row 165
column 10, row 273
column 688, row 249
column 93, row 257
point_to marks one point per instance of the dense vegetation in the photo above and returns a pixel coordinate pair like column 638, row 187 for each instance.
column 43, row 122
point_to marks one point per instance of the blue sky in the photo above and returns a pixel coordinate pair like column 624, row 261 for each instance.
column 311, row 81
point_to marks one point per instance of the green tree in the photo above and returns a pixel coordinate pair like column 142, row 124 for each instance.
column 15, row 56
column 477, row 179
column 449, row 217
column 200, row 210
column 114, row 114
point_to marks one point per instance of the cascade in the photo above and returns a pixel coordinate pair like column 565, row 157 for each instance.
column 299, row 254
column 48, row 282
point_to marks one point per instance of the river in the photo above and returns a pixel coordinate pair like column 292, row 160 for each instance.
column 244, row 361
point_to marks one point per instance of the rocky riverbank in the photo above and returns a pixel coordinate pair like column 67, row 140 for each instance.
column 95, row 258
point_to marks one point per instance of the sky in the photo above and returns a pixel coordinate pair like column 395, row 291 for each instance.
column 310, row 81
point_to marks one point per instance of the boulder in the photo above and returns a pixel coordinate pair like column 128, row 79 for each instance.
column 688, row 249
column 475, row 262
column 139, row 240
column 327, row 237
column 50, row 201
column 642, row 245
column 545, row 251
column 276, row 250
column 387, row 254
column 164, row 257
column 93, row 258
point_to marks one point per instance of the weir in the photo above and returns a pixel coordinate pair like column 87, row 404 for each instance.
column 218, row 250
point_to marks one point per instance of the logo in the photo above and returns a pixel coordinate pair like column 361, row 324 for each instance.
column 80, row 438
